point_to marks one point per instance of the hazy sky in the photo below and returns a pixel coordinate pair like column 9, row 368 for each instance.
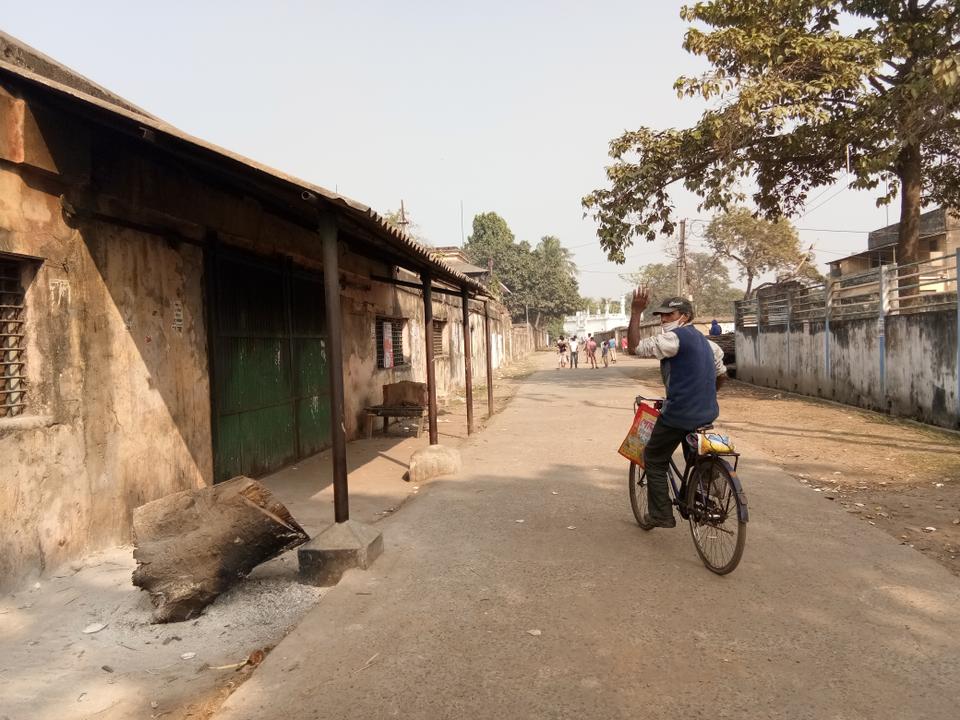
column 505, row 106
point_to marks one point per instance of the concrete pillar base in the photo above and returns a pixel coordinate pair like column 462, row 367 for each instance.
column 339, row 548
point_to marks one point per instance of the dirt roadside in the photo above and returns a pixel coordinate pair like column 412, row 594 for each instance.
column 902, row 476
column 78, row 643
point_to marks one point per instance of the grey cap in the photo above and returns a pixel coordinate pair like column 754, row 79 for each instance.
column 674, row 304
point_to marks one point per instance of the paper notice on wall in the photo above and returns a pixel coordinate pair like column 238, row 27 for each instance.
column 387, row 344
column 178, row 316
column 60, row 293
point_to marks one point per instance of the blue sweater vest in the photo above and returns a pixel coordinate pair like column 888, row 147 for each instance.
column 690, row 380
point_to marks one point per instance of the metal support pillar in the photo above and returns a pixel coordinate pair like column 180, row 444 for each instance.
column 956, row 286
column 789, row 377
column 431, row 370
column 338, row 430
column 882, row 333
column 467, row 358
column 682, row 260
column 489, row 344
column 827, row 303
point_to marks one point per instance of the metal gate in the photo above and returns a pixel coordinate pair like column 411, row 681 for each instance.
column 271, row 402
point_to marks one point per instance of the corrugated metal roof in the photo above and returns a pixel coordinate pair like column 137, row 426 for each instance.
column 465, row 267
column 865, row 253
column 339, row 203
column 932, row 222
column 18, row 53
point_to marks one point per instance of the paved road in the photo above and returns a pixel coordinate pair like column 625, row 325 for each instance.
column 826, row 617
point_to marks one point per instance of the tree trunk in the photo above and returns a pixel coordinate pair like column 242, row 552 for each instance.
column 192, row 545
column 910, row 172
column 746, row 295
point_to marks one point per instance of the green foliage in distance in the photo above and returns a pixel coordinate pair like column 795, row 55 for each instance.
column 708, row 284
column 758, row 246
column 798, row 90
column 554, row 291
column 541, row 280
column 554, row 327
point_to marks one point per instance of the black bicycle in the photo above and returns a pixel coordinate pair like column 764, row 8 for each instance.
column 709, row 496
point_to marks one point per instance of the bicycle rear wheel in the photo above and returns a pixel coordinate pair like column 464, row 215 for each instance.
column 638, row 494
column 714, row 507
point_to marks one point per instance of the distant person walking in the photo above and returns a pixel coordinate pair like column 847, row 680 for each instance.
column 715, row 328
column 574, row 348
column 612, row 342
column 561, row 352
column 592, row 351
column 623, row 344
column 605, row 352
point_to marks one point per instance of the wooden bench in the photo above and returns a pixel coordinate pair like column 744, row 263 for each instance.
column 403, row 399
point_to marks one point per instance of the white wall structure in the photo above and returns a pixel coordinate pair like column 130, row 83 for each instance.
column 887, row 340
column 585, row 323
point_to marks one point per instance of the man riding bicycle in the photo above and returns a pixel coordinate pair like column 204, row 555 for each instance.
column 692, row 369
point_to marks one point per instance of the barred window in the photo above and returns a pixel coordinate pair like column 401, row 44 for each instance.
column 389, row 338
column 438, row 337
column 13, row 380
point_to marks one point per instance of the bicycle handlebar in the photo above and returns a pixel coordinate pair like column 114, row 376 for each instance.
column 657, row 402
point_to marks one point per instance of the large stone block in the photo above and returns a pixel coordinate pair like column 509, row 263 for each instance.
column 339, row 548
column 429, row 462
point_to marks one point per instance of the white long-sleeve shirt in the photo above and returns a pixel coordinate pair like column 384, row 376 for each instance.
column 666, row 345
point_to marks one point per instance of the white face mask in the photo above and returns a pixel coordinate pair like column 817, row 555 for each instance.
column 667, row 327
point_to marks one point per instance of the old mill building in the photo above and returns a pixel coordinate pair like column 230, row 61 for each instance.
column 171, row 314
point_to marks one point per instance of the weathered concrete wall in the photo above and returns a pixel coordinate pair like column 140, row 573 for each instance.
column 914, row 376
column 114, row 389
column 364, row 381
column 921, row 368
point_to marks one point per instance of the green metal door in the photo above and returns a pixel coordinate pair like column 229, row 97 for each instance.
column 271, row 398
column 310, row 371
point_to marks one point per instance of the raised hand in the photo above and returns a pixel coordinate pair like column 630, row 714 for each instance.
column 641, row 298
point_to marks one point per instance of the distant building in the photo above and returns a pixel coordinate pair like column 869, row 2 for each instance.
column 584, row 323
column 939, row 238
column 458, row 260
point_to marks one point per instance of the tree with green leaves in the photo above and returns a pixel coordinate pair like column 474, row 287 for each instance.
column 493, row 244
column 708, row 284
column 542, row 280
column 554, row 290
column 759, row 246
column 802, row 94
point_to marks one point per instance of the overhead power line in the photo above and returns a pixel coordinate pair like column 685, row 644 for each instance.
column 817, row 207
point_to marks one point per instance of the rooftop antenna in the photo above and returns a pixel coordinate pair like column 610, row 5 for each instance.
column 403, row 222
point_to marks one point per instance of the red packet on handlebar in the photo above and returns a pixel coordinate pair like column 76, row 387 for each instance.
column 632, row 446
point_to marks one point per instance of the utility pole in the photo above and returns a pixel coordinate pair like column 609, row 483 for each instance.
column 682, row 260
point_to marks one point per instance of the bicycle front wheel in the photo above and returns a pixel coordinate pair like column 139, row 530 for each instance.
column 638, row 494
column 714, row 507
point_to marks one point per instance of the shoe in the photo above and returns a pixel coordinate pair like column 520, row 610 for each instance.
column 659, row 522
